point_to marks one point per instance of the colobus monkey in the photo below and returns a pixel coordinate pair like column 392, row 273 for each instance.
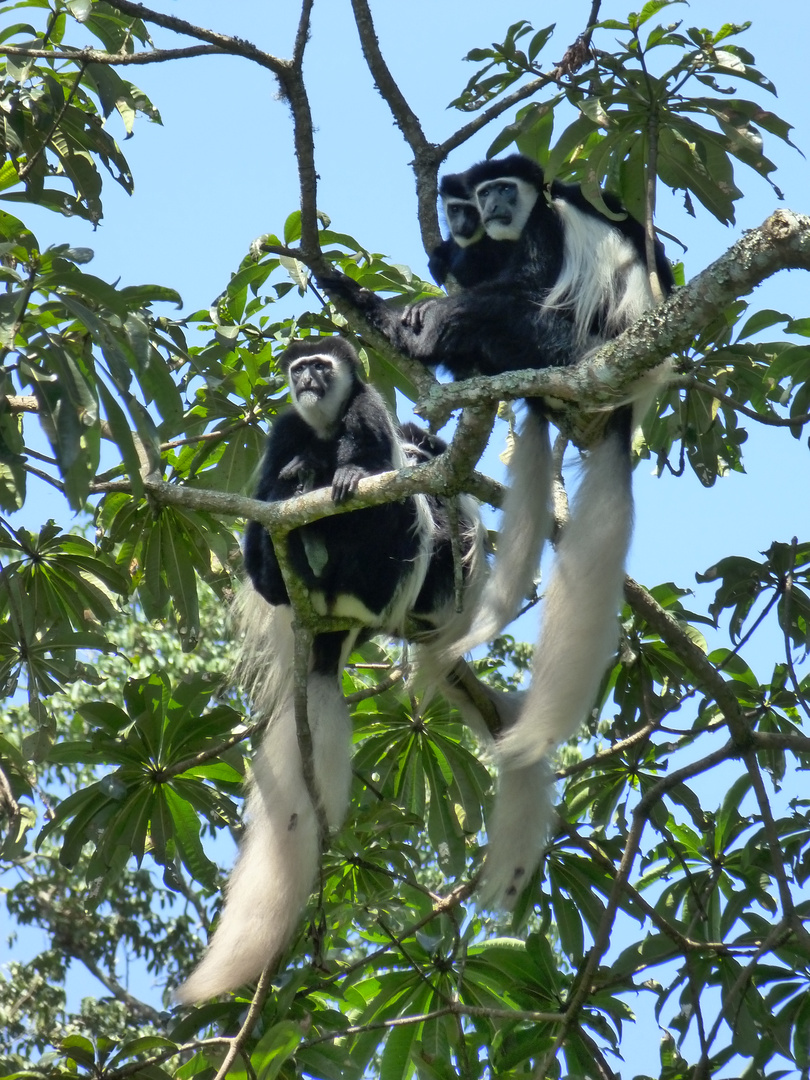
column 468, row 256
column 589, row 269
column 495, row 325
column 602, row 286
column 574, row 279
column 369, row 565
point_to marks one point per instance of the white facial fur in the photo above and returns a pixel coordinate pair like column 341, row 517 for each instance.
column 505, row 204
column 463, row 220
column 327, row 382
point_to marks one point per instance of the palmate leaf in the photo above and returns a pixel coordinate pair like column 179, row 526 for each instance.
column 63, row 575
column 743, row 581
column 140, row 800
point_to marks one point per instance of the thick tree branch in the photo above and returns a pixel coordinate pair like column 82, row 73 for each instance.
column 21, row 403
column 601, row 380
column 434, row 478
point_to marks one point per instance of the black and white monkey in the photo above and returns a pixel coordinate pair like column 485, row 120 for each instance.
column 369, row 565
column 574, row 278
column 457, row 568
column 468, row 256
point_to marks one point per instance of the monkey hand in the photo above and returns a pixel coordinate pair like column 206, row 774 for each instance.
column 345, row 481
column 414, row 316
column 294, row 469
column 439, row 262
column 346, row 288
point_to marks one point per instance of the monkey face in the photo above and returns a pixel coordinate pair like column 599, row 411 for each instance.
column 463, row 220
column 504, row 205
column 310, row 378
column 320, row 385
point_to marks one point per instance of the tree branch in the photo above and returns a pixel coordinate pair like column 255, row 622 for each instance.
column 454, row 1008
column 704, row 672
column 98, row 56
column 138, row 1008
column 427, row 156
column 727, row 401
column 584, row 981
column 238, row 1041
column 234, row 45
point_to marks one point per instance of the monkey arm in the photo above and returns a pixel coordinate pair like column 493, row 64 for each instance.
column 440, row 262
column 489, row 329
column 294, row 469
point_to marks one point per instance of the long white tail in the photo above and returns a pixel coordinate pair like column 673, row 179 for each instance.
column 578, row 638
column 525, row 526
column 517, row 832
column 278, row 859
column 265, row 656
column 579, row 630
column 519, row 827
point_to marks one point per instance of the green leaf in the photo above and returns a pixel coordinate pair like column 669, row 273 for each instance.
column 275, row 1047
column 123, row 438
column 187, row 835
column 180, row 580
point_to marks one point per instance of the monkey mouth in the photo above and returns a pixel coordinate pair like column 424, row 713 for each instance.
column 309, row 397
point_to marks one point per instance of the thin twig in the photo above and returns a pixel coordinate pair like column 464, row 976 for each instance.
column 57, row 120
column 704, row 672
column 730, row 996
column 727, row 400
column 788, row 596
column 776, row 852
column 396, row 676
column 584, row 980
column 453, row 1009
column 137, row 1008
column 238, row 1041
column 194, row 762
column 117, row 59
column 234, row 45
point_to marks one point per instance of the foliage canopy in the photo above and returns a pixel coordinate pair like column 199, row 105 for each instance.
column 680, row 862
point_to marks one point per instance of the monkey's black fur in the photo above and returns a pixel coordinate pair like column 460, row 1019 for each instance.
column 363, row 554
